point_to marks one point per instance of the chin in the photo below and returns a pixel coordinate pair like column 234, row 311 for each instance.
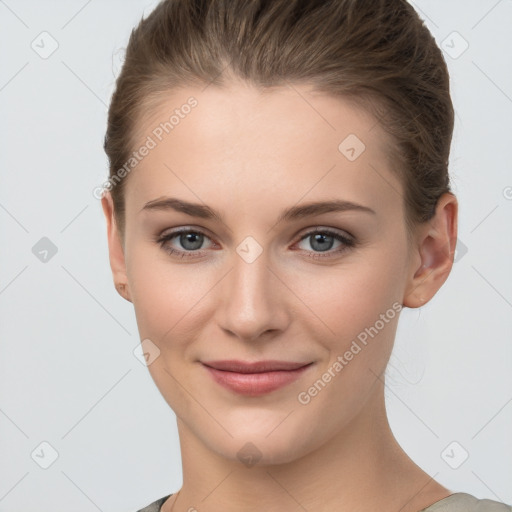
column 252, row 446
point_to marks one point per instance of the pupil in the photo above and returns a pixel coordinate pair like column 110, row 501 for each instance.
column 191, row 238
column 321, row 239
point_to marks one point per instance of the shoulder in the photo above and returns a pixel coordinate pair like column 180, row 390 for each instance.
column 155, row 506
column 463, row 502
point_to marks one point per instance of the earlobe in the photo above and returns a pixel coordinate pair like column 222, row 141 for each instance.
column 115, row 248
column 123, row 290
column 435, row 253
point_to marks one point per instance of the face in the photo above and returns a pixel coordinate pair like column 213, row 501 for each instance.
column 318, row 286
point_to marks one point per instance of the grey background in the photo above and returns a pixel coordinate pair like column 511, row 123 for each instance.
column 68, row 374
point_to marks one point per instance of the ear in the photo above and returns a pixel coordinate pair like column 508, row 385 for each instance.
column 115, row 248
column 433, row 253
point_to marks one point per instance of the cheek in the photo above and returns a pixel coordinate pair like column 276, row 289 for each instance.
column 359, row 303
column 165, row 295
column 347, row 298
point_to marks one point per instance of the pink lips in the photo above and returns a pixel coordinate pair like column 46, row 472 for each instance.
column 254, row 379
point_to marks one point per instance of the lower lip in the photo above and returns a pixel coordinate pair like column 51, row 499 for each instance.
column 255, row 384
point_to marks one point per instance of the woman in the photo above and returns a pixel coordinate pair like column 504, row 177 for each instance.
column 278, row 192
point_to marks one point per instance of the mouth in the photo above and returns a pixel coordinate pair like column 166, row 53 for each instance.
column 255, row 378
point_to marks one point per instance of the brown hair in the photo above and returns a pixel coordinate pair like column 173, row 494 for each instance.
column 377, row 53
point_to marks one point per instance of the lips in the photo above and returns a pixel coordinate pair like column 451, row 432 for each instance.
column 256, row 378
column 254, row 367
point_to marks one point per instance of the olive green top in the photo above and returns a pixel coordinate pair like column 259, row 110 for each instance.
column 457, row 502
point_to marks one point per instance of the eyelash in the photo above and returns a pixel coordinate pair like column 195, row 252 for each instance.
column 348, row 243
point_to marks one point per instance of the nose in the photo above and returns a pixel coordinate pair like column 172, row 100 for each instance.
column 253, row 302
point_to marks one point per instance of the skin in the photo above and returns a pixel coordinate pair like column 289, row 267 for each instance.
column 250, row 154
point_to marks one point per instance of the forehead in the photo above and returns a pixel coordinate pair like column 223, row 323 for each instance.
column 240, row 140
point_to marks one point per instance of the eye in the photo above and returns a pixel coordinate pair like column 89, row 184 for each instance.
column 322, row 240
column 190, row 241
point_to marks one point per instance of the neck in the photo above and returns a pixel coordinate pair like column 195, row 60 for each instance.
column 361, row 468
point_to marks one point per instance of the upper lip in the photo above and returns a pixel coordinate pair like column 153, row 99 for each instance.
column 253, row 367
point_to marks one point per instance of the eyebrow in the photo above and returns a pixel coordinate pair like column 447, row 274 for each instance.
column 294, row 213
